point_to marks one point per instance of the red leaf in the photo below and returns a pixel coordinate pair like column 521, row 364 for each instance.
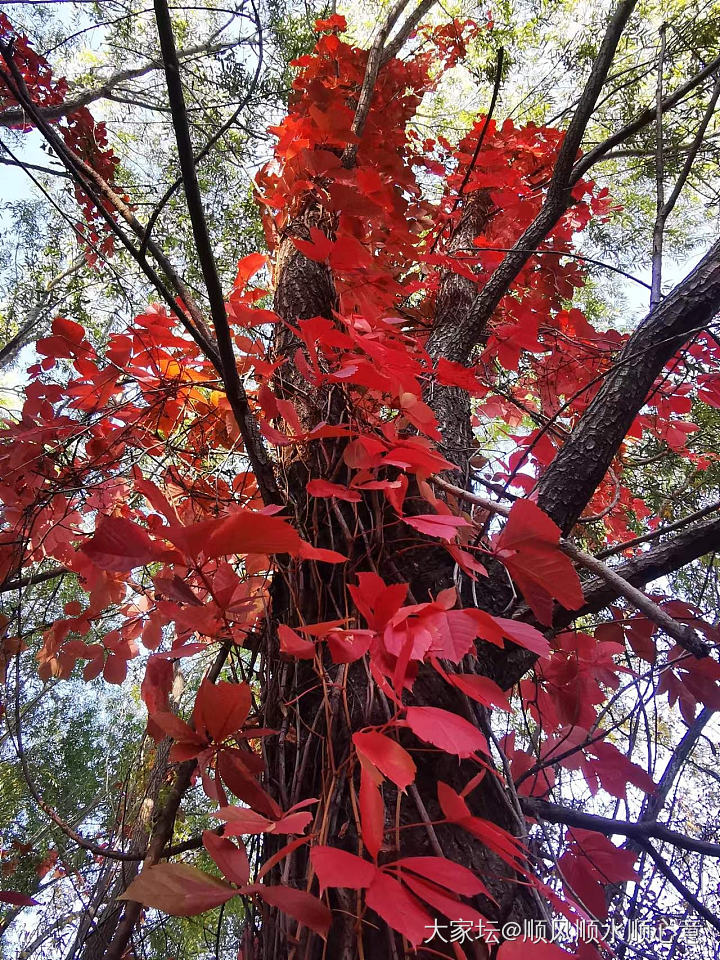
column 242, row 821
column 236, row 776
column 528, row 546
column 177, row 729
column 446, row 730
column 157, row 683
column 436, row 525
column 347, row 646
column 302, row 906
column 451, row 907
column 178, row 889
column 17, row 899
column 388, row 756
column 72, row 331
column 293, row 645
column 248, row 267
column 308, row 552
column 323, row 488
column 372, row 812
column 246, row 531
column 115, row 669
column 119, row 545
column 398, row 908
column 232, row 860
column 335, row 22
column 318, row 248
column 221, row 708
column 337, row 868
column 524, row 635
column 444, row 872
column 293, row 822
column 481, row 689
column 453, row 633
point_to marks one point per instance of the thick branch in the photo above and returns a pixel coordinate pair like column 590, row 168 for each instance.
column 641, row 121
column 235, row 391
column 612, row 579
column 573, row 476
column 645, row 829
column 681, row 633
column 162, row 831
column 459, row 342
column 662, row 560
column 379, row 55
column 32, row 578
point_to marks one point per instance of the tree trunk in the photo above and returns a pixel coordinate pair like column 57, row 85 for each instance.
column 309, row 758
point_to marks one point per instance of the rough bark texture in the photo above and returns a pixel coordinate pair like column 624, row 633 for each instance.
column 571, row 479
column 316, row 724
column 454, row 302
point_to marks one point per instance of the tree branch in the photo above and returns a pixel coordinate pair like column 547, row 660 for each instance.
column 12, row 116
column 573, row 476
column 102, row 194
column 377, row 57
column 683, row 634
column 162, row 831
column 11, row 349
column 237, row 397
column 641, row 831
column 662, row 560
column 32, row 578
column 689, row 896
column 642, row 120
column 456, row 342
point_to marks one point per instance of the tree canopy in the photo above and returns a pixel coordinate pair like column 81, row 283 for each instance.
column 359, row 500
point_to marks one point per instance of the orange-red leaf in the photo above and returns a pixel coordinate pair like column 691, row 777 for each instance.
column 398, row 908
column 388, row 756
column 232, row 860
column 293, row 645
column 372, row 812
column 221, row 708
column 246, row 531
column 437, row 525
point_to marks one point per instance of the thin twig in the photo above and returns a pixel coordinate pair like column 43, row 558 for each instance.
column 683, row 634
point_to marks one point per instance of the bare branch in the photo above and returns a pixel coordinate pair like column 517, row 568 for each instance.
column 237, row 397
column 683, row 634
column 377, row 57
column 641, row 831
column 642, row 120
column 660, row 531
column 662, row 560
column 670, row 875
column 659, row 228
column 12, row 116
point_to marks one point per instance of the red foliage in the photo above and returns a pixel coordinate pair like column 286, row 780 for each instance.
column 183, row 561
